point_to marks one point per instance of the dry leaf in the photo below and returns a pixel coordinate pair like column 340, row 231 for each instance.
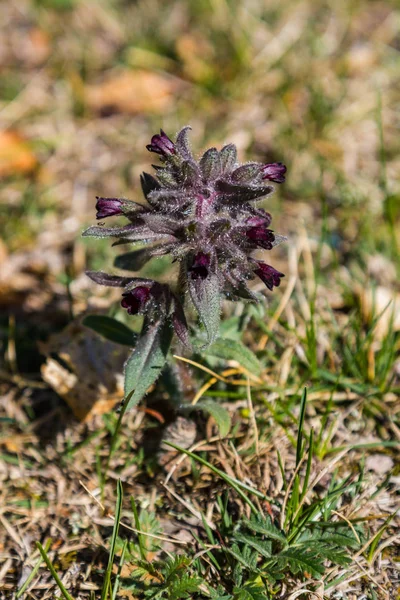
column 379, row 463
column 383, row 303
column 85, row 370
column 16, row 157
column 133, row 92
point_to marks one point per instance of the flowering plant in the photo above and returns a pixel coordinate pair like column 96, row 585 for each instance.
column 204, row 214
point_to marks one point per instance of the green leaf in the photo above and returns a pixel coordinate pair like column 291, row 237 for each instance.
column 206, row 299
column 265, row 527
column 132, row 261
column 250, row 591
column 263, row 548
column 145, row 364
column 234, row 350
column 246, row 557
column 219, row 413
column 228, row 157
column 299, row 562
column 111, row 329
column 113, row 543
column 210, row 164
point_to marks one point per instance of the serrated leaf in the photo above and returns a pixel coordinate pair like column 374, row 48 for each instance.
column 229, row 349
column 343, row 538
column 246, row 558
column 206, row 299
column 210, row 164
column 300, row 562
column 263, row 548
column 111, row 329
column 132, row 261
column 250, row 591
column 228, row 157
column 145, row 364
column 219, row 413
column 266, row 527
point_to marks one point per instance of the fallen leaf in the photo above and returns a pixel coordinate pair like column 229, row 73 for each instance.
column 16, row 156
column 380, row 302
column 379, row 463
column 132, row 92
column 85, row 370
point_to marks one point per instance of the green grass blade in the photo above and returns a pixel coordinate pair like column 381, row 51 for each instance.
column 53, row 572
column 118, row 509
column 33, row 572
column 138, row 527
column 118, row 575
column 221, row 474
column 299, row 447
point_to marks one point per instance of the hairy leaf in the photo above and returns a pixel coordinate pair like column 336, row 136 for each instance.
column 180, row 324
column 210, row 164
column 190, row 172
column 234, row 350
column 111, row 329
column 219, row 413
column 205, row 297
column 246, row 173
column 149, row 184
column 145, row 364
column 228, row 157
column 130, row 233
column 182, row 143
column 110, row 280
column 133, row 261
column 240, row 193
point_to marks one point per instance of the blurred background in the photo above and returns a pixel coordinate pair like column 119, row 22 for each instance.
column 84, row 85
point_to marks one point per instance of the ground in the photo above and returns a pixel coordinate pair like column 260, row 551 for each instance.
column 83, row 87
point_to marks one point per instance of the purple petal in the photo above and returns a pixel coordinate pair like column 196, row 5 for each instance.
column 274, row 172
column 161, row 144
column 135, row 300
column 108, row 207
column 268, row 275
column 200, row 266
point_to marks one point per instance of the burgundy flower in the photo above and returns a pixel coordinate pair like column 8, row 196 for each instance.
column 274, row 172
column 199, row 268
column 259, row 232
column 268, row 275
column 161, row 144
column 135, row 300
column 108, row 207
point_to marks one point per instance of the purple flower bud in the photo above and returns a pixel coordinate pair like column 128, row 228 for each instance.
column 135, row 300
column 161, row 144
column 199, row 268
column 260, row 235
column 274, row 172
column 108, row 207
column 268, row 275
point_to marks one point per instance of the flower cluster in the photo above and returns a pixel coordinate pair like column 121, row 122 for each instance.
column 203, row 214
